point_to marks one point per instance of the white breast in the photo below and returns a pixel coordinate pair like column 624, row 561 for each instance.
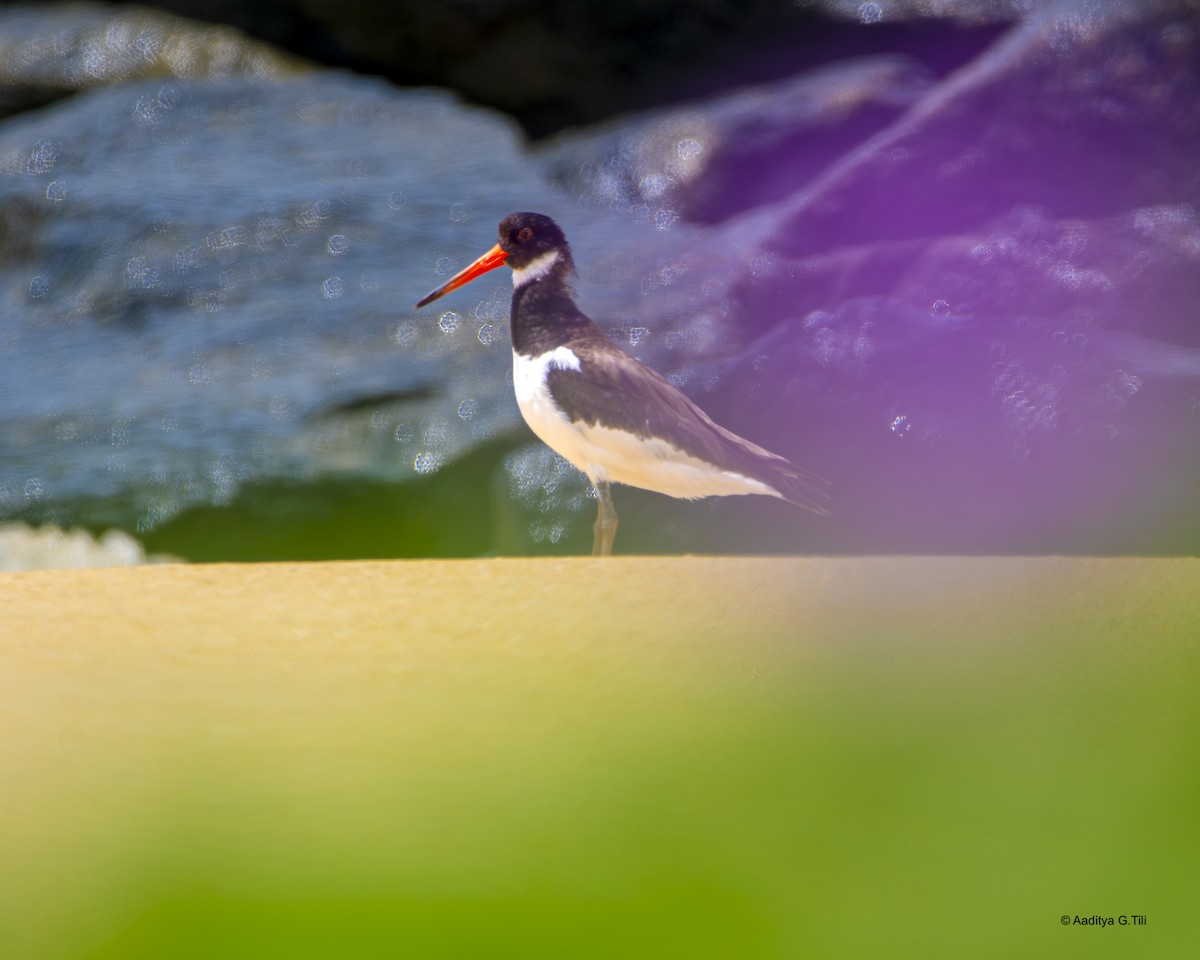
column 614, row 456
column 538, row 408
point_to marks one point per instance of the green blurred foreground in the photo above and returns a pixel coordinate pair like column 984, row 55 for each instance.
column 634, row 758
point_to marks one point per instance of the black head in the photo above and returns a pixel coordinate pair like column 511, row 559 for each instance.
column 527, row 236
column 524, row 238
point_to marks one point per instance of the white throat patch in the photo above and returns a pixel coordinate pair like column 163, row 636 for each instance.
column 535, row 270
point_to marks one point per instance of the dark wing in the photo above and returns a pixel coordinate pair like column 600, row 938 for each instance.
column 617, row 391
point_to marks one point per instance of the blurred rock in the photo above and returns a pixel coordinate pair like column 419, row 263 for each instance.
column 1014, row 435
column 50, row 51
column 723, row 156
column 559, row 63
column 1084, row 111
column 193, row 275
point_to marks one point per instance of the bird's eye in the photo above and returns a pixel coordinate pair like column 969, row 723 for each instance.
column 525, row 234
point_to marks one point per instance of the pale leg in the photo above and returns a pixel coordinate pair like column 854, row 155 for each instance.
column 605, row 530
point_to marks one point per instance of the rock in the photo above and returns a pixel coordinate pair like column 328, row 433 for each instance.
column 196, row 276
column 558, row 63
column 50, row 52
column 740, row 150
column 1082, row 112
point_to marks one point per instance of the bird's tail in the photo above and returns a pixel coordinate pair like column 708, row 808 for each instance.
column 798, row 485
column 794, row 484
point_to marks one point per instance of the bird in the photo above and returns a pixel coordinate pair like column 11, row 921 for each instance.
column 610, row 416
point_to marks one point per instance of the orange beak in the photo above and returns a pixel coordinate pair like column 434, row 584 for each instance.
column 489, row 261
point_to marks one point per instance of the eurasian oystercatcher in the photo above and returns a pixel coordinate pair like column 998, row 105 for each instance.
column 611, row 417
